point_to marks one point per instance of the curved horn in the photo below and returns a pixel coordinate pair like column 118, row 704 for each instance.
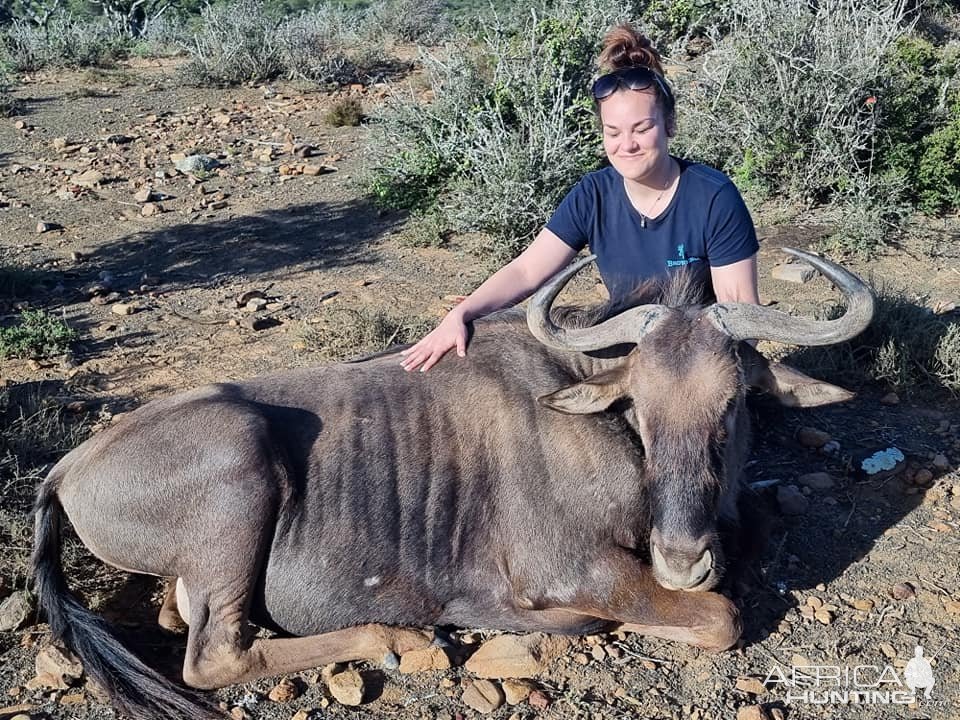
column 629, row 326
column 744, row 321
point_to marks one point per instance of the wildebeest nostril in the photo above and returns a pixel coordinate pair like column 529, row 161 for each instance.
column 680, row 571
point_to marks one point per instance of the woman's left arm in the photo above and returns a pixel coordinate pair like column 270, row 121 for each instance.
column 736, row 282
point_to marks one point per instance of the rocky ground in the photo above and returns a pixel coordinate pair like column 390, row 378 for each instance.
column 176, row 277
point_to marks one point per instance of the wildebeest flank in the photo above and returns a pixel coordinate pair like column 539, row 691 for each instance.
column 560, row 478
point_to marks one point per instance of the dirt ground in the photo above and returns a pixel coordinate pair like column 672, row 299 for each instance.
column 829, row 590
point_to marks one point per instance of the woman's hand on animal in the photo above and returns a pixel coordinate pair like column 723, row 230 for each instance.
column 510, row 284
column 449, row 334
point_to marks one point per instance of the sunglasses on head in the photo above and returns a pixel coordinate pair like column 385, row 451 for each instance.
column 632, row 78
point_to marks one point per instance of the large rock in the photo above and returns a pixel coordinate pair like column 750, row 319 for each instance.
column 812, row 437
column 516, row 656
column 56, row 668
column 285, row 691
column 752, row 712
column 794, row 272
column 197, row 163
column 346, row 687
column 88, row 179
column 816, row 481
column 517, row 691
column 791, row 500
column 16, row 610
column 425, row 660
column 483, row 696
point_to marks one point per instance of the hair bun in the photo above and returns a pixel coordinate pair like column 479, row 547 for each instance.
column 624, row 47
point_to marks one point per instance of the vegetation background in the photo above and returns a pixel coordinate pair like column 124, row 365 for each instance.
column 840, row 113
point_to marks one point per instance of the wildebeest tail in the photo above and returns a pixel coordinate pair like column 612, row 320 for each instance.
column 133, row 688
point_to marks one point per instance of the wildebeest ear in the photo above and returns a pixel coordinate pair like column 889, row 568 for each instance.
column 595, row 394
column 791, row 387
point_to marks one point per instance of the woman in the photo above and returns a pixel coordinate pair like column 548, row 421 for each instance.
column 645, row 216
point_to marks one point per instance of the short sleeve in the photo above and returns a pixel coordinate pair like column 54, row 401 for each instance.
column 569, row 221
column 731, row 236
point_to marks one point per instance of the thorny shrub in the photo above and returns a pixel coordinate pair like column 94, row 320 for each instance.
column 328, row 44
column 510, row 127
column 236, row 42
column 163, row 35
column 785, row 100
column 65, row 41
column 241, row 41
column 869, row 217
column 412, row 21
column 678, row 20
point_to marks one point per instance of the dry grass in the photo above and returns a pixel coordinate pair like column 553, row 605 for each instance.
column 344, row 113
column 907, row 347
column 345, row 333
column 34, row 433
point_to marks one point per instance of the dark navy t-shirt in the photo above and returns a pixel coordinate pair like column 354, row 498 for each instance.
column 705, row 225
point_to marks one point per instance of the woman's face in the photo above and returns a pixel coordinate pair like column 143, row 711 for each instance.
column 634, row 133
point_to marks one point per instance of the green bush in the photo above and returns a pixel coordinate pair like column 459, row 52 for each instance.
column 922, row 109
column 678, row 19
column 37, row 334
column 938, row 172
column 869, row 217
column 907, row 347
column 508, row 130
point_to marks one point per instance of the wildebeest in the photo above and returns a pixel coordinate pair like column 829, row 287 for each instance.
column 567, row 476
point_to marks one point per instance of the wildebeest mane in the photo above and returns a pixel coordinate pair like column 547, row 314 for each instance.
column 680, row 290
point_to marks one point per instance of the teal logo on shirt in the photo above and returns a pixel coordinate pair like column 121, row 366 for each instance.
column 682, row 258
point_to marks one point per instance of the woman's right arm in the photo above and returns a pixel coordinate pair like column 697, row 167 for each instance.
column 512, row 283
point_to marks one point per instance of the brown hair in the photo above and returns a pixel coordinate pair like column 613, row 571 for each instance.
column 624, row 46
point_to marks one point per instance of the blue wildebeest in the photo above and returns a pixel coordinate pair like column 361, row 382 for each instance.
column 570, row 475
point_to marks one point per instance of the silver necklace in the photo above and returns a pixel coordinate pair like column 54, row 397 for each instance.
column 644, row 218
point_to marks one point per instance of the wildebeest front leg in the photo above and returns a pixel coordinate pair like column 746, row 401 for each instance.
column 623, row 589
column 220, row 651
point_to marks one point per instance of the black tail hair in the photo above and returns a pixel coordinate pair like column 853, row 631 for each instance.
column 133, row 688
